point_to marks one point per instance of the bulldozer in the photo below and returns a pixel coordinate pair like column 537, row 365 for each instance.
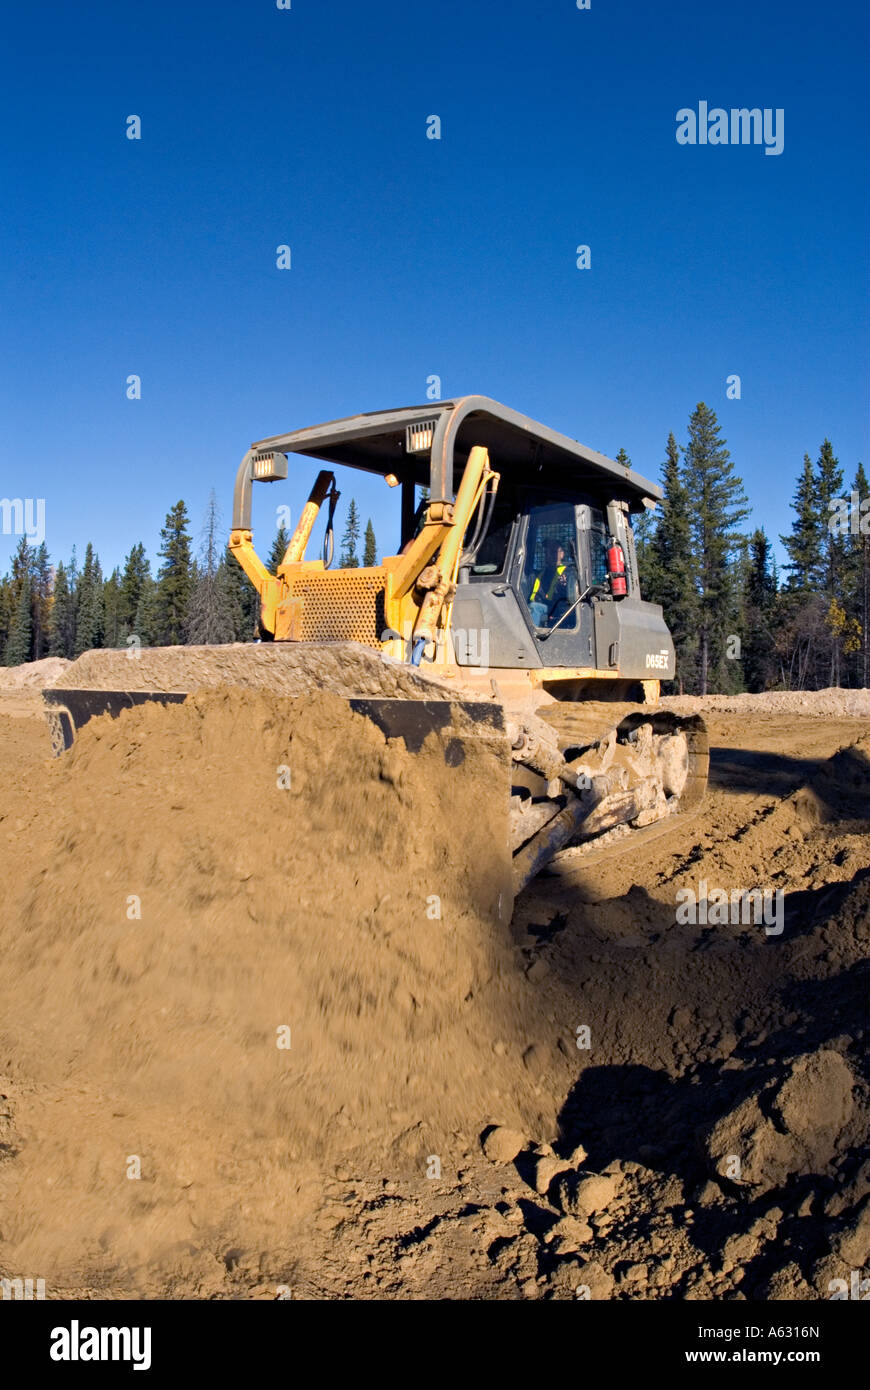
column 511, row 613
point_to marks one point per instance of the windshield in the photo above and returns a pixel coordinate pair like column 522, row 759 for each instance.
column 549, row 578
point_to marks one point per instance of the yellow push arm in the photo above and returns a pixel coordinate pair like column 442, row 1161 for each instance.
column 267, row 586
column 443, row 581
column 298, row 541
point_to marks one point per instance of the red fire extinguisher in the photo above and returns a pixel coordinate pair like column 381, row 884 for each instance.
column 616, row 569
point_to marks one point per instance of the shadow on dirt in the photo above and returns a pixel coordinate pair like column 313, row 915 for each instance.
column 834, row 1008
column 839, row 781
column 646, row 1116
column 751, row 769
column 644, row 1113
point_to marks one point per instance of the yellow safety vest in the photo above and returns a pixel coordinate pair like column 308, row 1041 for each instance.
column 560, row 569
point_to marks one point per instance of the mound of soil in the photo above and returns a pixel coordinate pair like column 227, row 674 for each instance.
column 242, row 1053
column 33, row 675
column 833, row 702
column 253, row 932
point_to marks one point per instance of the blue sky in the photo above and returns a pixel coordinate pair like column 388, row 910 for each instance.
column 413, row 257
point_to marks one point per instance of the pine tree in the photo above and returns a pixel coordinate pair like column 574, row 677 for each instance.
column 146, row 620
column 807, row 622
column 62, row 620
column 761, row 584
column 89, row 604
column 242, row 598
column 19, row 642
column 20, row 626
column 370, row 551
column 174, row 579
column 643, row 526
column 22, row 566
column 279, row 547
column 112, row 625
column 759, row 656
column 73, row 577
column 41, row 602
column 210, row 616
column 804, row 544
column 137, row 573
column 717, row 508
column 671, row 568
column 728, row 677
column 7, row 613
column 829, row 489
column 348, row 559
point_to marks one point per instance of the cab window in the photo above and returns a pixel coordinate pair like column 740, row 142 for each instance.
column 597, row 546
column 492, row 554
column 549, row 579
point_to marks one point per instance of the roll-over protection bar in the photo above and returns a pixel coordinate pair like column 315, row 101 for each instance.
column 389, row 442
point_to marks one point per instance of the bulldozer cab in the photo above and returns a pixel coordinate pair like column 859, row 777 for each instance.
column 553, row 554
column 520, row 558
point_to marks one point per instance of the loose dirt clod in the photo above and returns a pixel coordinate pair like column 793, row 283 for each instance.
column 584, row 1194
column 787, row 1127
column 501, row 1144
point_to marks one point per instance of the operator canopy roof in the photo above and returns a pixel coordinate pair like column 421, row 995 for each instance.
column 426, row 444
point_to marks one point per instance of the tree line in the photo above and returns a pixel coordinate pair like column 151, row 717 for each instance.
column 737, row 623
column 192, row 598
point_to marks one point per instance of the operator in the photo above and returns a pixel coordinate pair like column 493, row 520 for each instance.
column 550, row 585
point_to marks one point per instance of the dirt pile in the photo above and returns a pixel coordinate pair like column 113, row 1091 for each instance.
column 21, row 686
column 549, row 1111
column 250, row 931
column 33, row 675
column 833, row 702
column 281, row 668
